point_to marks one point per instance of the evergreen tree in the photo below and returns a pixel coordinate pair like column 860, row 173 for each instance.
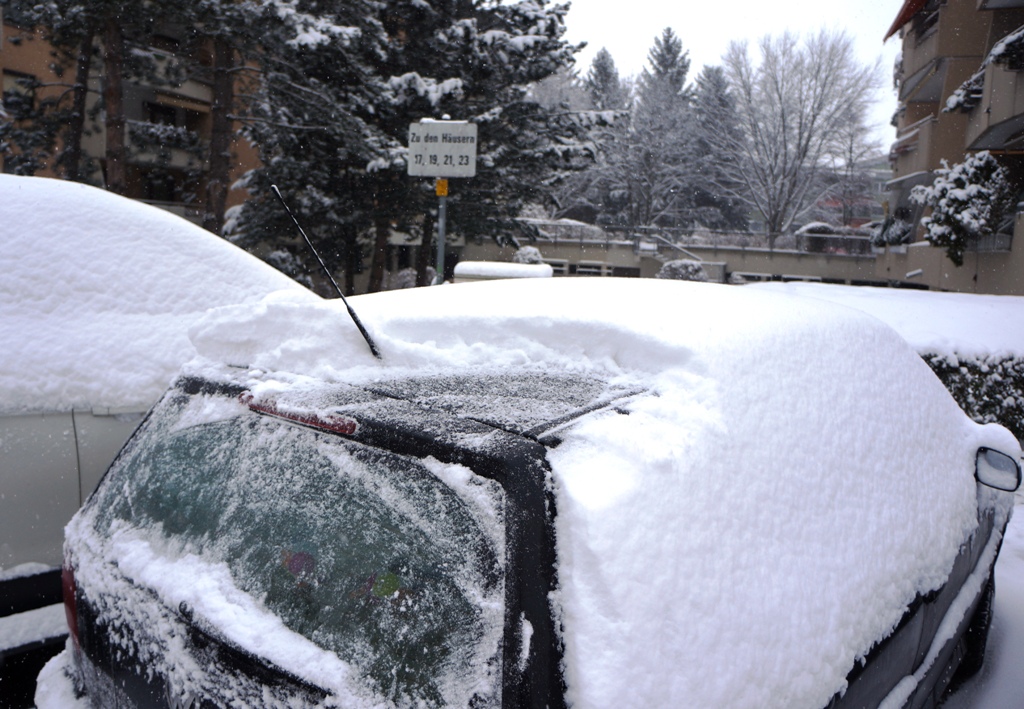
column 46, row 122
column 562, row 91
column 968, row 202
column 646, row 170
column 316, row 81
column 714, row 112
column 661, row 145
column 603, row 84
column 343, row 155
column 669, row 65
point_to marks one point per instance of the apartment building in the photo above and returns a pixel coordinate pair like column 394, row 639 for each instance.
column 168, row 115
column 961, row 90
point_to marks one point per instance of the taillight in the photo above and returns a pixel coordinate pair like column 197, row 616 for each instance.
column 67, row 583
column 324, row 421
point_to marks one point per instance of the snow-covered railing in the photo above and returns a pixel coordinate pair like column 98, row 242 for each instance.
column 1009, row 52
column 991, row 242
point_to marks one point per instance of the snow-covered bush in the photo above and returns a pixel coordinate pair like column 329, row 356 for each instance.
column 682, row 270
column 527, row 254
column 897, row 229
column 406, row 278
column 816, row 228
column 967, row 201
column 988, row 389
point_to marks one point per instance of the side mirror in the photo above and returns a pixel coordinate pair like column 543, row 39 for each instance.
column 997, row 470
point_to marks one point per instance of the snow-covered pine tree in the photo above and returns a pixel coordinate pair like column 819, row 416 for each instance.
column 968, row 201
column 715, row 124
column 334, row 117
column 315, row 81
column 45, row 123
column 605, row 88
column 645, row 171
column 656, row 159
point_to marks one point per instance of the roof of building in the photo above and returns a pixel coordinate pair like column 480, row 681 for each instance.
column 909, row 9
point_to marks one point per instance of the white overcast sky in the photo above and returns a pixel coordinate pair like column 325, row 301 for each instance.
column 627, row 28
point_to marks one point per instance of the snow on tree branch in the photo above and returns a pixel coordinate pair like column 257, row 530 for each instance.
column 407, row 86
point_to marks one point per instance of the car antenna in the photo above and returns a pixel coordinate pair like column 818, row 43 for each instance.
column 351, row 312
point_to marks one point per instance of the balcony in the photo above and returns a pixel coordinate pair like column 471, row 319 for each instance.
column 911, row 152
column 167, row 145
column 996, row 121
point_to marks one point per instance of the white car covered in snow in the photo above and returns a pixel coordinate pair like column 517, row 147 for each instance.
column 545, row 493
column 97, row 293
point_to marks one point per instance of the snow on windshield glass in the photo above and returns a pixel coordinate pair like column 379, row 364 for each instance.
column 97, row 292
column 737, row 537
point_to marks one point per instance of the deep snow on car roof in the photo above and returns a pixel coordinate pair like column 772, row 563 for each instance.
column 792, row 479
column 97, row 292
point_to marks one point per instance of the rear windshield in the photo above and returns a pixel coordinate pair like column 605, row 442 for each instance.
column 388, row 561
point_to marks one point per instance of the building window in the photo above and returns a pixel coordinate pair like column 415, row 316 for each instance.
column 926, row 19
column 164, row 43
column 588, row 268
column 559, row 267
column 161, row 115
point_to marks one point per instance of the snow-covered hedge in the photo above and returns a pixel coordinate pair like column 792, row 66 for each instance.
column 893, row 232
column 682, row 270
column 528, row 254
column 988, row 389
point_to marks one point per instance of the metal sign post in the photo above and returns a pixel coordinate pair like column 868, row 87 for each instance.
column 442, row 149
column 441, row 189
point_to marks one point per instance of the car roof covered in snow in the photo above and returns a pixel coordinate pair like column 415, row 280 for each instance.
column 97, row 293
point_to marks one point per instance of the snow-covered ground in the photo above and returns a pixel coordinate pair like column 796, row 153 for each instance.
column 968, row 325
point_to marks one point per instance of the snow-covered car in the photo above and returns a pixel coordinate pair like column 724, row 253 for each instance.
column 97, row 293
column 470, row 271
column 552, row 492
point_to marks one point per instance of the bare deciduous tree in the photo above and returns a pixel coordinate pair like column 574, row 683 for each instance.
column 792, row 105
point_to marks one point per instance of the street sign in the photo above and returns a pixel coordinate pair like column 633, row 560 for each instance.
column 442, row 149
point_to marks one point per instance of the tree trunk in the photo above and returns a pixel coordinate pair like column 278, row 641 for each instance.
column 72, row 157
column 113, row 103
column 382, row 229
column 352, row 256
column 426, row 250
column 220, row 136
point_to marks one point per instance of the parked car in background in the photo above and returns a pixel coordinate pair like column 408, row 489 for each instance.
column 469, row 271
column 97, row 293
column 546, row 493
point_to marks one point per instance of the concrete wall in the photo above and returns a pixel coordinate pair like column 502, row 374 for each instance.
column 986, row 272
